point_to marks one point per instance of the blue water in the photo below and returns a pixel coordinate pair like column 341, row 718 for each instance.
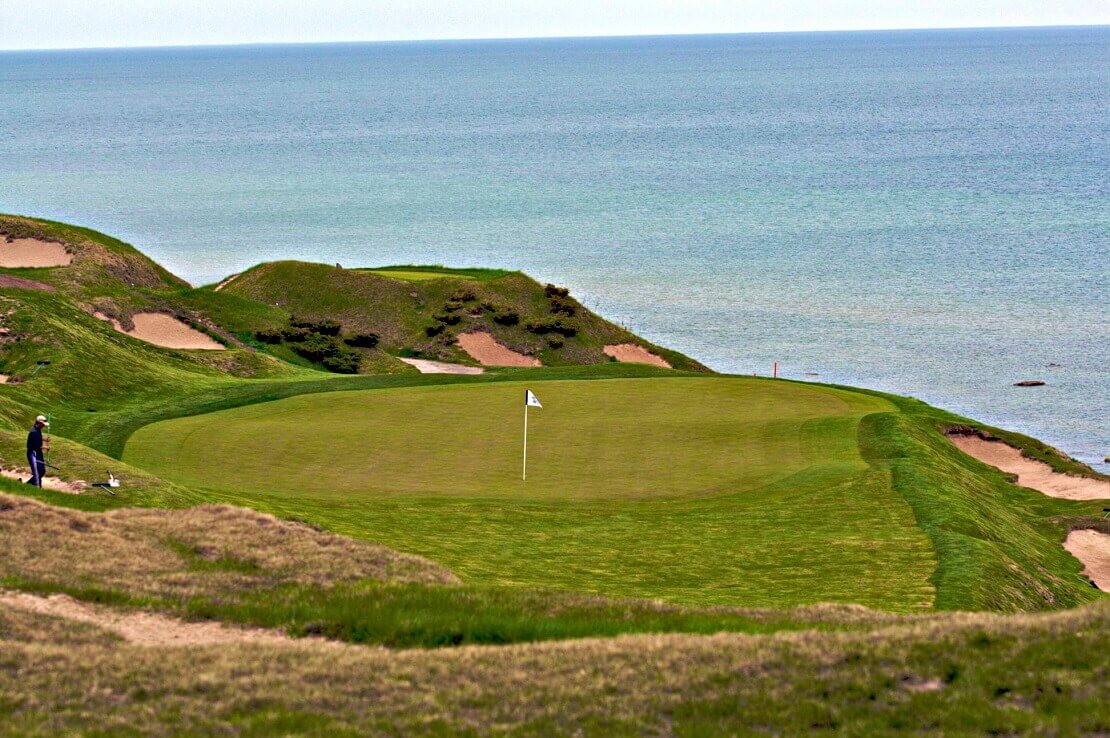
column 921, row 212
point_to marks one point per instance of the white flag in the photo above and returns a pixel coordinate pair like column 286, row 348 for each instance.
column 530, row 400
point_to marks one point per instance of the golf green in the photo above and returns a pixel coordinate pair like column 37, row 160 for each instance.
column 714, row 490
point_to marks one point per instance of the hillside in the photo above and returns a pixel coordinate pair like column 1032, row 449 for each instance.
column 667, row 566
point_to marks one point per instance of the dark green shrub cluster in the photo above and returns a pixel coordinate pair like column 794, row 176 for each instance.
column 553, row 292
column 463, row 295
column 268, row 335
column 435, row 329
column 555, row 341
column 447, row 318
column 560, row 326
column 506, row 317
column 323, row 327
column 363, row 340
column 294, row 334
column 562, row 306
column 330, row 352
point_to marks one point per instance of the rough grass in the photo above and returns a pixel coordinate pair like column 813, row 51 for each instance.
column 421, row 273
column 956, row 675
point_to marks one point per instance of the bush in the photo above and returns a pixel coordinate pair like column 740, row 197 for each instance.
column 316, row 347
column 552, row 291
column 363, row 340
column 559, row 306
column 453, row 306
column 323, row 327
column 294, row 335
column 447, row 318
column 559, row 326
column 268, row 335
column 506, row 317
column 435, row 330
column 464, row 296
column 555, row 342
column 347, row 361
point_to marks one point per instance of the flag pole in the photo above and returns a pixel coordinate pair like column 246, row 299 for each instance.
column 524, row 467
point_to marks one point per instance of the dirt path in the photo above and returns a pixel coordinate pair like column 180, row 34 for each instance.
column 141, row 628
column 31, row 252
column 631, row 353
column 488, row 351
column 1093, row 549
column 426, row 366
column 1031, row 473
column 226, row 281
column 48, row 482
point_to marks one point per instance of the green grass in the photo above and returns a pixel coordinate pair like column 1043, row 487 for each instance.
column 703, row 491
column 421, row 273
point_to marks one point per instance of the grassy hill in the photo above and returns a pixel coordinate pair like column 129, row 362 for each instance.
column 662, row 506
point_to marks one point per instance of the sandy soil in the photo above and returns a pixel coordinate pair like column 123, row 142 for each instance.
column 1031, row 473
column 48, row 482
column 630, row 352
column 488, row 351
column 1093, row 549
column 8, row 280
column 426, row 366
column 141, row 628
column 31, row 252
column 165, row 330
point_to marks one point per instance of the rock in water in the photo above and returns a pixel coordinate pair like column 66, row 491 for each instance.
column 1030, row 383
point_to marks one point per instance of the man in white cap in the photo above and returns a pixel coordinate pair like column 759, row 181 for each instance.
column 35, row 447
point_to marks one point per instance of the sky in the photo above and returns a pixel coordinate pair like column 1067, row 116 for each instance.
column 57, row 24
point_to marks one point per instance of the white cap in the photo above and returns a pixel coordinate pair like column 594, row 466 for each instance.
column 42, row 419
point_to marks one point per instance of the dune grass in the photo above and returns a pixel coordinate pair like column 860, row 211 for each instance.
column 421, row 273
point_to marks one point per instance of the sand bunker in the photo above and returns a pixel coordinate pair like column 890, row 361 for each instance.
column 1093, row 549
column 54, row 483
column 633, row 354
column 31, row 252
column 488, row 351
column 426, row 366
column 165, row 330
column 140, row 628
column 1031, row 473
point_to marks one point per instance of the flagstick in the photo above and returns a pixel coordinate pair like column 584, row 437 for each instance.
column 524, row 469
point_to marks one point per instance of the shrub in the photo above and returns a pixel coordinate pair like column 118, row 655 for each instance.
column 316, row 347
column 435, row 330
column 447, row 318
column 268, row 335
column 552, row 291
column 323, row 327
column 559, row 306
column 506, row 317
column 559, row 326
column 346, row 361
column 363, row 340
column 293, row 335
column 555, row 341
column 464, row 296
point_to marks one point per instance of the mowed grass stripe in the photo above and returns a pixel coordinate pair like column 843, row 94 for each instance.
column 606, row 439
column 702, row 491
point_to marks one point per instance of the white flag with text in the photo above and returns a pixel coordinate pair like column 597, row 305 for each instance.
column 530, row 400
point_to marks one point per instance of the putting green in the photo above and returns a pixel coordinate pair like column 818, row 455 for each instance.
column 600, row 439
column 714, row 490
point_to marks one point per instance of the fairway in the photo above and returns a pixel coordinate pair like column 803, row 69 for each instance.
column 714, row 490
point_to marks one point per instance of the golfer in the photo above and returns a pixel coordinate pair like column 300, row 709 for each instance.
column 35, row 447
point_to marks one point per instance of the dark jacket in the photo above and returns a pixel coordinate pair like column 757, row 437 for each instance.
column 34, row 442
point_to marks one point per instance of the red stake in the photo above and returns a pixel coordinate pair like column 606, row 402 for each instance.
column 775, row 371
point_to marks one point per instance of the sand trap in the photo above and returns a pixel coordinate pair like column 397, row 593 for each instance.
column 31, row 252
column 488, row 351
column 165, row 330
column 52, row 483
column 1093, row 549
column 633, row 354
column 1031, row 473
column 140, row 628
column 426, row 366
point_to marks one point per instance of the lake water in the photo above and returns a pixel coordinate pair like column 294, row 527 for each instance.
column 921, row 212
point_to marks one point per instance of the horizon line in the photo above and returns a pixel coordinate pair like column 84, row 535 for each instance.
column 555, row 37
